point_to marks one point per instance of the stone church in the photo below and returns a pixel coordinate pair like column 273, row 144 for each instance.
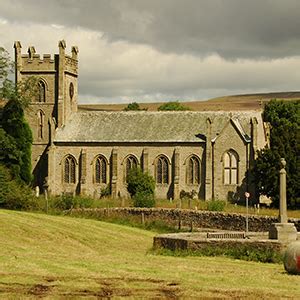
column 79, row 152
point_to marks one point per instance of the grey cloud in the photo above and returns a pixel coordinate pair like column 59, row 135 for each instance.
column 231, row 28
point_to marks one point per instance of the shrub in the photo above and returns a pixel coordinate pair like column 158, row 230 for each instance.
column 216, row 205
column 141, row 188
column 14, row 194
column 138, row 181
column 66, row 202
column 143, row 199
column 173, row 106
column 105, row 192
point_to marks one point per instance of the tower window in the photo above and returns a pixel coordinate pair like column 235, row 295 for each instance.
column 41, row 91
column 71, row 90
column 69, row 169
column 193, row 170
column 230, row 167
column 41, row 120
column 162, row 170
column 100, row 170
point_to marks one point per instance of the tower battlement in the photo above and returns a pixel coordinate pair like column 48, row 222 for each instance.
column 33, row 62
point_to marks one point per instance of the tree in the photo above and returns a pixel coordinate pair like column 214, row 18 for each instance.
column 173, row 106
column 141, row 188
column 17, row 132
column 284, row 118
column 133, row 106
column 14, row 124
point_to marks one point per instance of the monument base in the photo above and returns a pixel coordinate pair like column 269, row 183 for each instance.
column 283, row 232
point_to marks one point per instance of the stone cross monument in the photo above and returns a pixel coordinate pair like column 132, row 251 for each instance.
column 283, row 231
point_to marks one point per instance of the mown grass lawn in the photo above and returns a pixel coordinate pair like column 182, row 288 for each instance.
column 57, row 257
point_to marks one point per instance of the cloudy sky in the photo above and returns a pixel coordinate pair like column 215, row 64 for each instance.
column 161, row 50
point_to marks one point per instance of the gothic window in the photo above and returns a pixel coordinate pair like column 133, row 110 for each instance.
column 69, row 169
column 100, row 170
column 162, row 170
column 41, row 121
column 41, row 91
column 230, row 167
column 193, row 170
column 131, row 163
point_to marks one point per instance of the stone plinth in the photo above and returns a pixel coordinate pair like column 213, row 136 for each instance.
column 283, row 232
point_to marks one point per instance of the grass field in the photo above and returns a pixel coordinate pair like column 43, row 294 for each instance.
column 58, row 257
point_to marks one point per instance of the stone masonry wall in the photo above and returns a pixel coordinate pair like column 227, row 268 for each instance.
column 200, row 219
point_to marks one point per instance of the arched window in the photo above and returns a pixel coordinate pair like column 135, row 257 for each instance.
column 193, row 170
column 131, row 163
column 100, row 170
column 162, row 170
column 41, row 121
column 69, row 169
column 230, row 167
column 41, row 91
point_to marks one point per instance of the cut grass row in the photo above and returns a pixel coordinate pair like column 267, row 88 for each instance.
column 56, row 256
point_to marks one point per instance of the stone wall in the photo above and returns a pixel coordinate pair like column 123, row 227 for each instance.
column 185, row 217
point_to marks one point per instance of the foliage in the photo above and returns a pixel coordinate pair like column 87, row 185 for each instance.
column 133, row 106
column 143, row 199
column 244, row 252
column 141, row 187
column 105, row 192
column 17, row 137
column 66, row 202
column 138, row 181
column 14, row 124
column 9, row 154
column 173, row 106
column 216, row 205
column 284, row 118
column 14, row 194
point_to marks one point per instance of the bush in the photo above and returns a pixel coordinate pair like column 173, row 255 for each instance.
column 141, row 188
column 105, row 192
column 14, row 194
column 137, row 181
column 173, row 106
column 143, row 199
column 216, row 205
column 66, row 202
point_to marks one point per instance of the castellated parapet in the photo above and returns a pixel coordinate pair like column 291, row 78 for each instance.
column 35, row 63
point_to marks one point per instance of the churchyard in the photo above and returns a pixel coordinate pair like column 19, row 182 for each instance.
column 59, row 256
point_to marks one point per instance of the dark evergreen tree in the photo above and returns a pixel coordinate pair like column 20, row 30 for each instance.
column 284, row 118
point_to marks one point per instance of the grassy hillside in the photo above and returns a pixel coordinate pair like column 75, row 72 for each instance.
column 56, row 256
column 235, row 102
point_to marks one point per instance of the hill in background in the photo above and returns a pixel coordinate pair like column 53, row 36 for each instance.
column 228, row 103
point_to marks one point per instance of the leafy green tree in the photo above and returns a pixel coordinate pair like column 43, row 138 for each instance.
column 173, row 106
column 9, row 153
column 141, row 187
column 284, row 118
column 13, row 120
column 133, row 106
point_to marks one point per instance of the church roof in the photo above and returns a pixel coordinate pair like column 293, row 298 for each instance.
column 143, row 126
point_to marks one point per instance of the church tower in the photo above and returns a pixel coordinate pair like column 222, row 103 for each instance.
column 55, row 100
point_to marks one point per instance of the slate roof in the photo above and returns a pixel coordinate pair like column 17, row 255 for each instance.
column 143, row 126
